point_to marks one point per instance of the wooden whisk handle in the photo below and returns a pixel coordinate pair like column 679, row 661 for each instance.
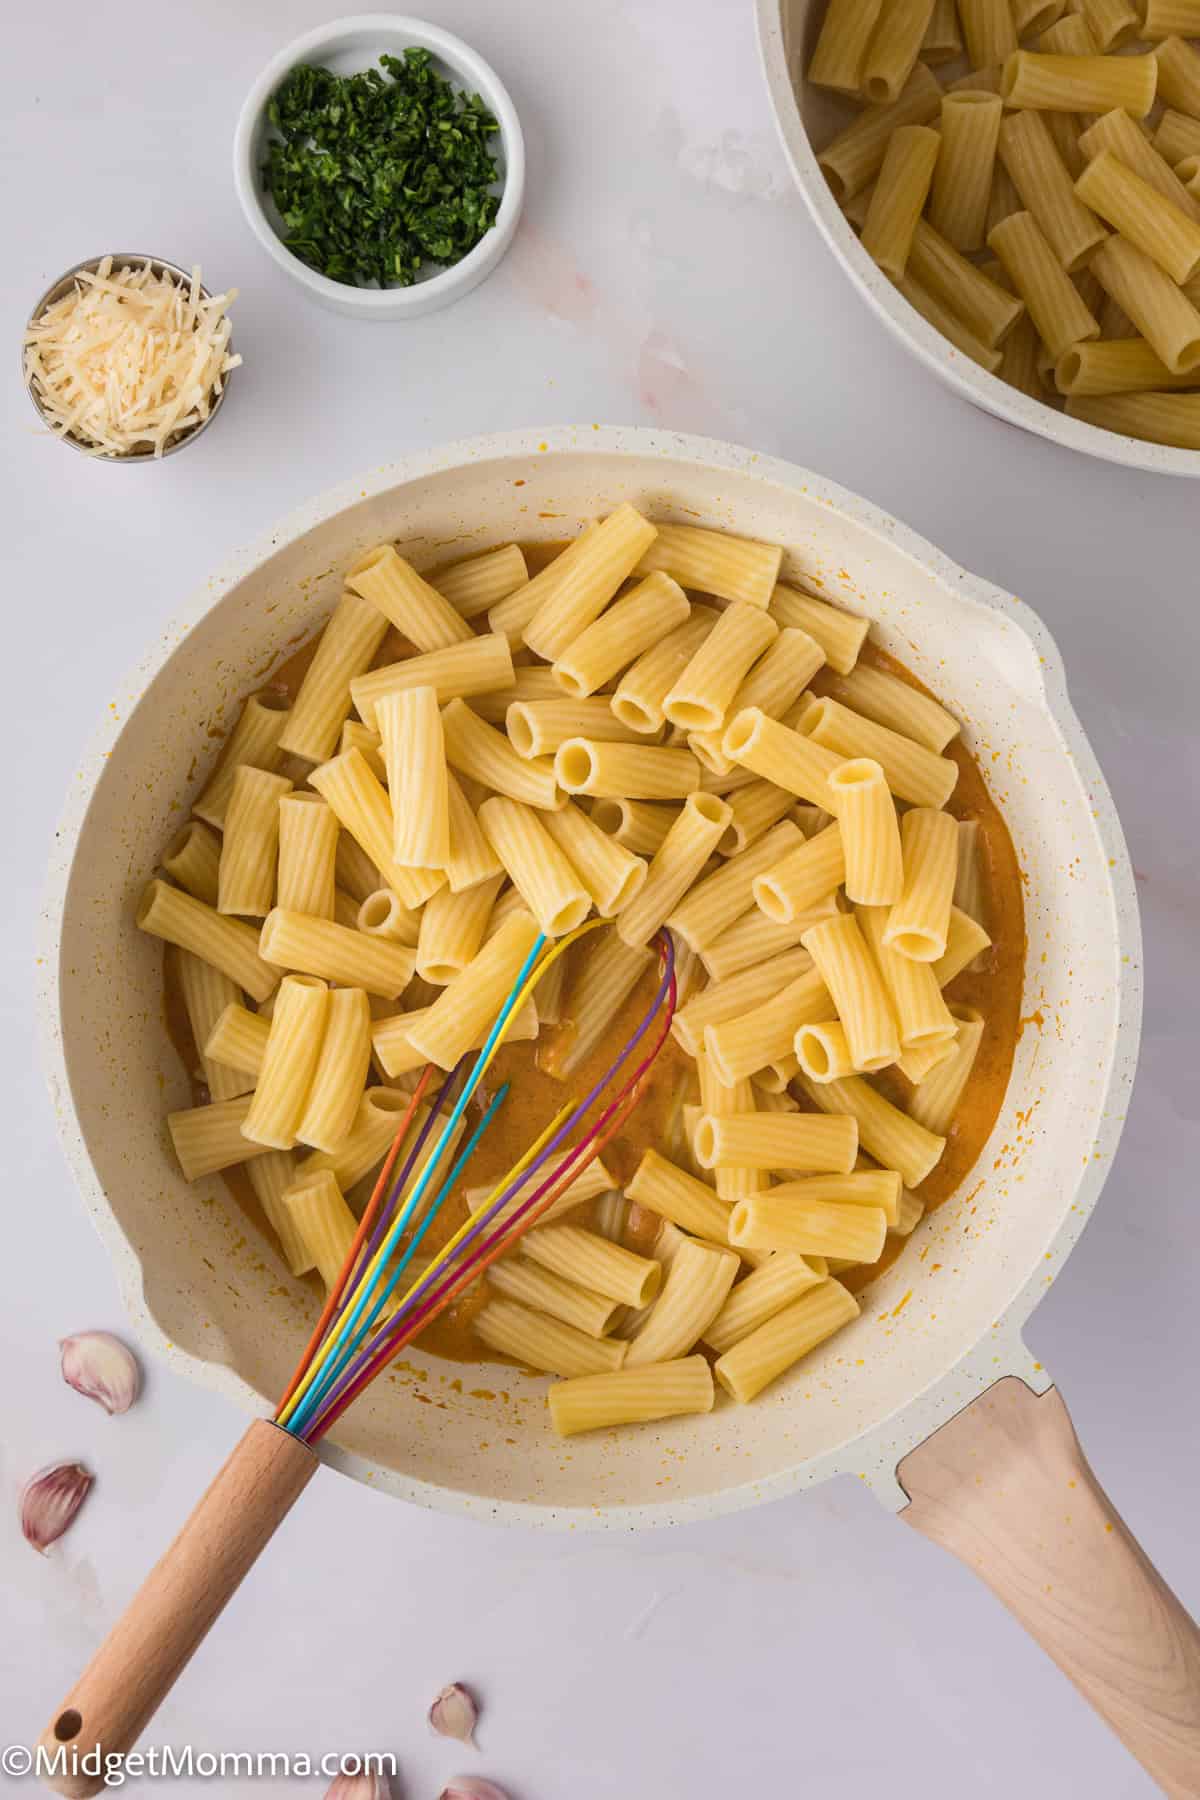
column 1006, row 1488
column 147, row 1649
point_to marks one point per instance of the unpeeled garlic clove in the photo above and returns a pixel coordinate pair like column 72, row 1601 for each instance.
column 454, row 1714
column 50, row 1500
column 98, row 1366
column 360, row 1787
column 472, row 1787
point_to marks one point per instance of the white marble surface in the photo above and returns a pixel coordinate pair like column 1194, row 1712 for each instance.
column 665, row 272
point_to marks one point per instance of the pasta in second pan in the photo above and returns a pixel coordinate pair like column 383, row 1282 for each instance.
column 841, row 889
column 1007, row 169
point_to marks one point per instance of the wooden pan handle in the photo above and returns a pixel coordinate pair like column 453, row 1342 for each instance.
column 1006, row 1488
column 144, row 1654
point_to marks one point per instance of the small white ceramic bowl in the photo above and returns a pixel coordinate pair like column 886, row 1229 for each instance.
column 806, row 115
column 347, row 46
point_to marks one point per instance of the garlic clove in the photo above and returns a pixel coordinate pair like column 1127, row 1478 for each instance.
column 472, row 1787
column 360, row 1787
column 454, row 1714
column 50, row 1500
column 98, row 1366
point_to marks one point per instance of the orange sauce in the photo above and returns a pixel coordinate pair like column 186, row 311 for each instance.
column 535, row 1094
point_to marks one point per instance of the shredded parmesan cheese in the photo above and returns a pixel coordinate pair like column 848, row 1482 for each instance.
column 129, row 360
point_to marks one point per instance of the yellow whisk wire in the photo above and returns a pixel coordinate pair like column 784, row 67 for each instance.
column 364, row 1276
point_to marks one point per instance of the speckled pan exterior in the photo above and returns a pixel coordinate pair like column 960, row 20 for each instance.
column 809, row 117
column 207, row 1293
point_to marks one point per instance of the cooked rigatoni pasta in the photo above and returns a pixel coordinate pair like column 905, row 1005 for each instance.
column 781, row 1141
column 250, row 846
column 855, row 156
column 473, row 586
column 405, row 598
column 899, row 196
column 714, row 903
column 1162, row 313
column 631, row 1396
column 753, row 810
column 208, row 1139
column 774, row 685
column 583, row 589
column 254, row 740
column 207, row 994
column 893, row 50
column 1117, row 133
column 308, row 841
column 538, row 727
column 383, row 914
column 452, row 928
column 846, row 31
column 981, row 307
column 642, row 690
column 230, row 945
column 786, row 1218
column 1044, row 183
column 333, row 952
column 943, row 41
column 628, row 628
column 289, row 1061
column 593, row 1262
column 895, row 1140
column 920, row 919
column 1092, row 84
column 761, row 1357
column 349, row 641
column 782, row 756
column 935, row 1101
column 765, row 1291
column 538, row 1341
column 869, row 832
column 1023, row 140
column 849, row 971
column 696, row 1288
column 612, row 875
column 237, row 1040
column 715, row 562
column 748, row 1042
column 840, row 634
column 962, row 181
column 537, row 868
column 478, row 667
column 340, row 1075
column 700, row 696
column 625, row 771
column 912, row 772
column 754, row 938
column 391, row 917
column 662, row 1187
column 795, row 884
column 316, row 1207
column 414, row 749
column 1159, row 418
column 1143, row 216
column 1178, row 76
column 364, row 810
column 530, row 1285
column 193, row 860
column 472, row 1000
column 485, row 755
column 677, row 862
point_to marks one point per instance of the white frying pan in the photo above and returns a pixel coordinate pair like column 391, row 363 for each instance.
column 936, row 1401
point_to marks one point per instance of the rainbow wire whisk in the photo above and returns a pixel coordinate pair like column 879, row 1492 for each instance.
column 375, row 1307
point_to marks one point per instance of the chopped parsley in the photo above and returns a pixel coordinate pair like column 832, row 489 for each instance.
column 375, row 177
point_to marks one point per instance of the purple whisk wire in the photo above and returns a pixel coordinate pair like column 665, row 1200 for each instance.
column 446, row 1276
